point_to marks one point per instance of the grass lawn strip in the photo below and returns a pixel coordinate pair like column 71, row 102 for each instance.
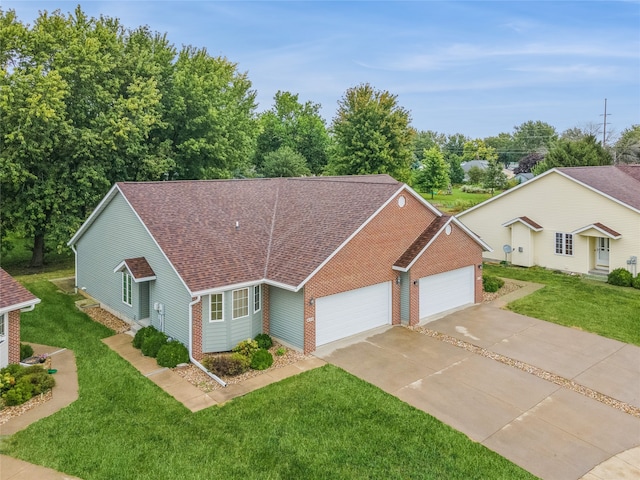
column 320, row 424
column 538, row 372
column 574, row 301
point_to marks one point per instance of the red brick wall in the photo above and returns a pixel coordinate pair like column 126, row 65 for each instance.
column 196, row 340
column 14, row 336
column 447, row 252
column 367, row 259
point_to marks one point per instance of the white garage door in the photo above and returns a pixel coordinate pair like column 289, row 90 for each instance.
column 447, row 290
column 344, row 314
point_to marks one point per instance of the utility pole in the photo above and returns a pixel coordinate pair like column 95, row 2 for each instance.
column 604, row 129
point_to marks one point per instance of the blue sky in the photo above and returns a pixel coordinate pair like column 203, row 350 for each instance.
column 478, row 68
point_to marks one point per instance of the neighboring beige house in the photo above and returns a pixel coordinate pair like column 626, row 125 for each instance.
column 578, row 219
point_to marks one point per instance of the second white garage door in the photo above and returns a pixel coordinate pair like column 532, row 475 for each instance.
column 344, row 314
column 444, row 291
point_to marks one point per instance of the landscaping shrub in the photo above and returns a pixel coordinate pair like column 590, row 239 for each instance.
column 172, row 353
column 264, row 341
column 246, row 347
column 620, row 277
column 635, row 283
column 141, row 334
column 152, row 343
column 26, row 351
column 18, row 395
column 491, row 284
column 18, row 384
column 474, row 189
column 261, row 360
column 40, row 381
column 229, row 364
column 281, row 351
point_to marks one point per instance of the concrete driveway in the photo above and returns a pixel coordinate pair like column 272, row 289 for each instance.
column 547, row 428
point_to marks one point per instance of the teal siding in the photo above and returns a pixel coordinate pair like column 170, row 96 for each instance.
column 286, row 316
column 405, row 287
column 117, row 234
column 223, row 336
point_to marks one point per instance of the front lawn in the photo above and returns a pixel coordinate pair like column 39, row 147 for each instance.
column 324, row 423
column 457, row 201
column 574, row 301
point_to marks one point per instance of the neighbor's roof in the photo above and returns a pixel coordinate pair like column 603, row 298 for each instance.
column 14, row 296
column 621, row 182
column 218, row 233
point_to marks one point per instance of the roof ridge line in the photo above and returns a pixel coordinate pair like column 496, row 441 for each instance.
column 273, row 223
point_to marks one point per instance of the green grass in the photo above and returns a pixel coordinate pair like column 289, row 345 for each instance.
column 457, row 201
column 574, row 301
column 15, row 259
column 321, row 424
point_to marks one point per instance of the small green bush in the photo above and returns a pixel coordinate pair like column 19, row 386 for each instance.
column 172, row 353
column 152, row 343
column 227, row 365
column 620, row 277
column 491, row 284
column 18, row 395
column 261, row 360
column 246, row 347
column 40, row 381
column 264, row 341
column 141, row 334
column 281, row 351
column 26, row 351
column 7, row 381
column 635, row 283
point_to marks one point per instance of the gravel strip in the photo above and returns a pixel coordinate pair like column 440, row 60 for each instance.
column 538, row 372
column 204, row 382
column 508, row 287
column 7, row 413
column 107, row 319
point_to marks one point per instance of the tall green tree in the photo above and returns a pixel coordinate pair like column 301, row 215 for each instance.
column 434, row 173
column 72, row 119
column 494, row 178
column 504, row 146
column 581, row 153
column 372, row 134
column 627, row 147
column 285, row 162
column 533, row 137
column 478, row 150
column 423, row 141
column 297, row 126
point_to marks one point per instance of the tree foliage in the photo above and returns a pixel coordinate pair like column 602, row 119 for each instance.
column 423, row 141
column 284, row 162
column 494, row 178
column 580, row 153
column 371, row 134
column 297, row 126
column 627, row 148
column 85, row 102
column 478, row 150
column 527, row 163
column 533, row 136
column 434, row 173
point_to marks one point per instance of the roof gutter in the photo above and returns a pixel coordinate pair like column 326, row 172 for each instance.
column 193, row 360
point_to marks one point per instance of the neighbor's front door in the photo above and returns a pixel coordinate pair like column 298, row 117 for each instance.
column 4, row 340
column 602, row 252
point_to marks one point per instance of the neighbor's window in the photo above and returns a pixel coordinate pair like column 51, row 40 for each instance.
column 217, row 308
column 240, row 303
column 126, row 288
column 564, row 244
column 257, row 298
column 2, row 321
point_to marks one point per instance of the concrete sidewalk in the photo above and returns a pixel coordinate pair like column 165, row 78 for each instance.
column 64, row 393
column 186, row 393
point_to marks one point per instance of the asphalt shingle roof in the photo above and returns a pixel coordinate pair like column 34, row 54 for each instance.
column 422, row 241
column 225, row 232
column 12, row 293
column 621, row 182
column 139, row 268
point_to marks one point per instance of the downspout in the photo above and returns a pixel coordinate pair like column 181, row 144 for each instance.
column 193, row 360
column 75, row 267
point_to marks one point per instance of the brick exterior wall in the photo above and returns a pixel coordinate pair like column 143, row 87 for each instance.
column 367, row 259
column 14, row 336
column 266, row 327
column 447, row 252
column 196, row 341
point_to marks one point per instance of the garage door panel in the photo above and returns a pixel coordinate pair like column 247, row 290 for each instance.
column 348, row 313
column 447, row 290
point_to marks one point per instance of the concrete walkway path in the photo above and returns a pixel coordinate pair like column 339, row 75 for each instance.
column 64, row 393
column 552, row 431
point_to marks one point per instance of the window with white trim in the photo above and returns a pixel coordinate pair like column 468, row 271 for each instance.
column 240, row 303
column 3, row 321
column 216, row 308
column 564, row 243
column 126, row 288
column 257, row 298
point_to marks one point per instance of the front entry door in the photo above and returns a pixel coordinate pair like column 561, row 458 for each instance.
column 602, row 252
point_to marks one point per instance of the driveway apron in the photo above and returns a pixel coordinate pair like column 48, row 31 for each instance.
column 550, row 429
